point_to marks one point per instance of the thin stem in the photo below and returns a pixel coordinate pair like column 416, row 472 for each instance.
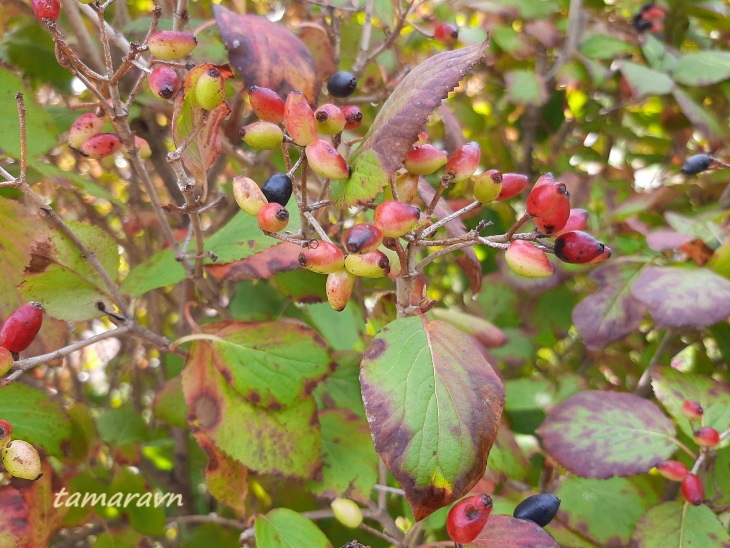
column 434, row 227
column 643, row 387
column 515, row 227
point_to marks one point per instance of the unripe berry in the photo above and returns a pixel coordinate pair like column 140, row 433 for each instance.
column 21, row 327
column 527, row 260
column 374, row 264
column 706, row 437
column 347, row 512
column 278, row 188
column 512, row 185
column 322, row 257
column 544, row 179
column 362, row 238
column 549, row 206
column 540, row 509
column 577, row 220
column 249, row 197
column 396, row 218
column 342, row 84
column 273, row 217
column 464, row 161
column 326, row 161
column 299, row 119
column 84, row 128
column 164, row 82
column 693, row 490
column 6, row 433
column 262, row 135
column 266, row 104
column 145, row 151
column 101, row 145
column 353, row 116
column 446, row 33
column 339, row 288
column 210, row 89
column 488, row 186
column 6, row 362
column 692, row 410
column 407, row 186
column 330, row 119
column 602, row 257
column 468, row 517
column 22, row 460
column 46, row 9
column 425, row 159
column 577, row 247
column 171, row 45
column 672, row 470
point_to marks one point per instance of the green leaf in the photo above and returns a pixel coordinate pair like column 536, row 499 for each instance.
column 666, row 292
column 597, row 434
column 122, row 425
column 342, row 330
column 673, row 387
column 159, row 270
column 679, row 525
column 506, row 457
column 645, row 81
column 169, row 403
column 349, row 462
column 434, row 404
column 611, row 507
column 284, row 528
column 272, row 364
column 720, row 261
column 702, row 68
column 61, row 279
column 42, row 132
column 284, row 443
column 29, row 47
column 146, row 519
column 657, row 54
column 697, row 114
column 604, row 46
column 35, row 417
column 49, row 171
column 341, row 389
column 402, row 117
column 526, row 88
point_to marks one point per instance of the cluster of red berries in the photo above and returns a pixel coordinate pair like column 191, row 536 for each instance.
column 20, row 458
column 468, row 517
column 706, row 437
column 17, row 332
column 87, row 136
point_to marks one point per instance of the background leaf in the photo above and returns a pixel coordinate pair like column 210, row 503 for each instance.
column 702, row 68
column 681, row 525
column 509, row 532
column 284, row 528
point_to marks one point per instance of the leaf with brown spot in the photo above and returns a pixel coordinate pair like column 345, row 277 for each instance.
column 673, row 387
column 681, row 525
column 403, row 116
column 508, row 532
column 189, row 117
column 272, row 364
column 227, row 479
column 284, row 442
column 267, row 54
column 433, row 404
column 683, row 297
column 612, row 312
column 283, row 257
column 598, row 434
column 15, row 528
column 469, row 262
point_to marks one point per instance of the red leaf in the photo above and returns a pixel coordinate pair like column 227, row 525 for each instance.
column 278, row 258
column 508, row 532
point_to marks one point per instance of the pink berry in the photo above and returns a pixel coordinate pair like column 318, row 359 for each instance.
column 164, row 82
column 101, row 145
column 692, row 410
column 299, row 119
column 672, row 470
column 528, row 261
column 266, row 104
column 326, row 161
column 706, row 437
column 425, row 159
column 46, row 9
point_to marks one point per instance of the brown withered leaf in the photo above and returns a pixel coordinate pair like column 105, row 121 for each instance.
column 267, row 54
column 469, row 262
column 318, row 42
column 282, row 257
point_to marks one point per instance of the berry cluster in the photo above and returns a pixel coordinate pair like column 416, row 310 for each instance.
column 706, row 438
column 18, row 332
column 20, row 458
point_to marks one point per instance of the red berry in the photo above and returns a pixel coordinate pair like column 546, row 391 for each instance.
column 299, row 119
column 326, row 161
column 672, row 470
column 46, row 9
column 692, row 410
column 101, row 145
column 603, row 256
column 396, row 218
column 512, row 185
column 362, row 238
column 353, row 116
column 468, row 517
column 330, row 119
column 528, row 261
column 322, row 257
column 706, row 437
column 577, row 247
column 6, row 433
column 446, row 33
column 693, row 490
column 464, row 161
column 171, row 45
column 425, row 159
column 273, row 217
column 6, row 360
column 164, row 82
column 21, row 327
column 84, row 127
column 339, row 288
column 549, row 206
column 266, row 104
column 577, row 220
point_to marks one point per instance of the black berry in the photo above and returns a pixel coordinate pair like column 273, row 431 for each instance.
column 538, row 508
column 696, row 164
column 342, row 84
column 277, row 188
